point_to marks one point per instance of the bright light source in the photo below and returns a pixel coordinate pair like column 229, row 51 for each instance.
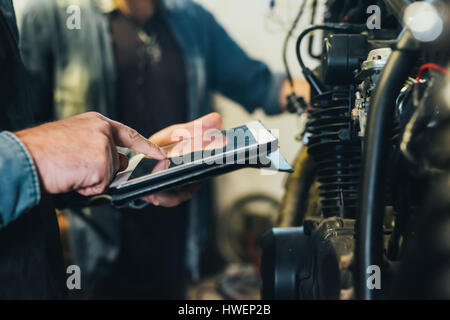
column 424, row 21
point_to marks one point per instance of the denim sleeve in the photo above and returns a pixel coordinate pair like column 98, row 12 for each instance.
column 19, row 184
column 239, row 77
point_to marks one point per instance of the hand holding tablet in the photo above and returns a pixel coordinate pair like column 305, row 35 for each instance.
column 195, row 151
column 172, row 140
column 205, row 154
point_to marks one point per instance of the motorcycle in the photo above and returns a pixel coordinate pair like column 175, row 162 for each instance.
column 366, row 214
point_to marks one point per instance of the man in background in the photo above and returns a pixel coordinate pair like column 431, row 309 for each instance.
column 149, row 64
column 78, row 154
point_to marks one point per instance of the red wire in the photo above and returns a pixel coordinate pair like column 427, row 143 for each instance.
column 430, row 66
column 254, row 256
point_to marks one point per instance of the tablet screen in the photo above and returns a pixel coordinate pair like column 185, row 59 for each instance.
column 215, row 147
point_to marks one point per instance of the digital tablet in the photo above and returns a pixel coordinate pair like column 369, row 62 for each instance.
column 194, row 159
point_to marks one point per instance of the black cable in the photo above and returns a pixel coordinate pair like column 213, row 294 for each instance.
column 337, row 27
column 311, row 38
column 286, row 42
column 369, row 232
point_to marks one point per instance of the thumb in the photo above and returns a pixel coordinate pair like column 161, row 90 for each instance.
column 205, row 123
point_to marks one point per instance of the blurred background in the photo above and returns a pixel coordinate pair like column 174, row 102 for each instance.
column 247, row 195
column 246, row 202
column 260, row 30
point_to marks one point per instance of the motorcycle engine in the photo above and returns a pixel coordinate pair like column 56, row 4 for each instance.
column 314, row 261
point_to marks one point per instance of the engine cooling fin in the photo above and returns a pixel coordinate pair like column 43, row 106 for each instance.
column 336, row 151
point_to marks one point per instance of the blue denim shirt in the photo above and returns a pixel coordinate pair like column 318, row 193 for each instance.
column 76, row 67
column 82, row 74
column 19, row 187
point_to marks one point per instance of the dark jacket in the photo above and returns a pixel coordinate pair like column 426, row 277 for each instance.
column 31, row 264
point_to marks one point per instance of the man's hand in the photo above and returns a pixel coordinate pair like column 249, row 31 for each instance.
column 79, row 153
column 189, row 130
column 174, row 134
column 301, row 88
